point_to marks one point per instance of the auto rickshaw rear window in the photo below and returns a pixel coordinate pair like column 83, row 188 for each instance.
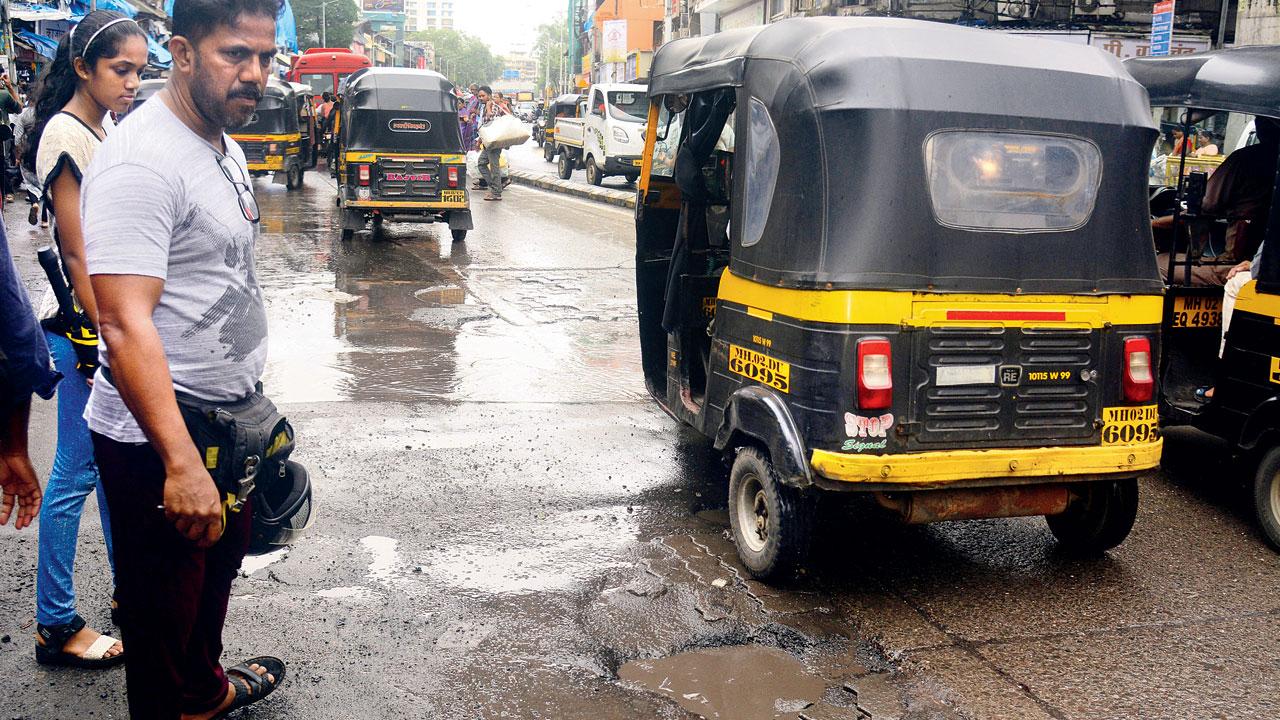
column 1012, row 182
column 763, row 156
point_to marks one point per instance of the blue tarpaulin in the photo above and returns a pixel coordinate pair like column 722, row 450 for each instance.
column 286, row 29
column 80, row 8
column 158, row 54
column 41, row 44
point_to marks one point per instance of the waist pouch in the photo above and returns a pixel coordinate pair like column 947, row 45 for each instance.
column 244, row 443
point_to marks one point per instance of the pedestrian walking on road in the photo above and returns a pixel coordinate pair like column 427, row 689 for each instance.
column 170, row 225
column 96, row 70
column 490, row 162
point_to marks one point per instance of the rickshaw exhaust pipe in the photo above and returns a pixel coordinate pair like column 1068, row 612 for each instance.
column 930, row 506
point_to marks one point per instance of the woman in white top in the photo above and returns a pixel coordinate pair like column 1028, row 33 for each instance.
column 96, row 71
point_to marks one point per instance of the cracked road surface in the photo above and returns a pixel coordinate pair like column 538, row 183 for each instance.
column 509, row 528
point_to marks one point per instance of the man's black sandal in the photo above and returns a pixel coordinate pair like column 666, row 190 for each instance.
column 251, row 687
column 55, row 638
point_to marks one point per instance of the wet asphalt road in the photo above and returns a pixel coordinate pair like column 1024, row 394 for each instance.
column 508, row 528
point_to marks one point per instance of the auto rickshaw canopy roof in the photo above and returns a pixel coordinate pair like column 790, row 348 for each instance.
column 852, row 105
column 569, row 99
column 399, row 89
column 1241, row 79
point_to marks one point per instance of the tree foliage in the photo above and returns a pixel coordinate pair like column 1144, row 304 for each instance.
column 463, row 58
column 339, row 19
column 551, row 50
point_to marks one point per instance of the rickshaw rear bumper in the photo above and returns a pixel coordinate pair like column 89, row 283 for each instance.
column 982, row 468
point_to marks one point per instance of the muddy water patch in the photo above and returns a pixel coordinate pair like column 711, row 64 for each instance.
column 745, row 682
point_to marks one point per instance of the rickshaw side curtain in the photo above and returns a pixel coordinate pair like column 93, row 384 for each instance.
column 704, row 121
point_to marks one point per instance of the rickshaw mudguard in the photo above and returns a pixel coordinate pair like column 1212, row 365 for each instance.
column 1262, row 426
column 461, row 220
column 759, row 414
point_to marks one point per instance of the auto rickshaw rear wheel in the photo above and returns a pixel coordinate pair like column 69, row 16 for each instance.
column 293, row 179
column 1266, row 496
column 459, row 235
column 772, row 523
column 548, row 152
column 1098, row 518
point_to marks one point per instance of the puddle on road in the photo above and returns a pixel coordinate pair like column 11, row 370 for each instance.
column 745, row 682
column 396, row 322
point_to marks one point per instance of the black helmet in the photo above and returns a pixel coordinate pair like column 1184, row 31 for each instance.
column 281, row 508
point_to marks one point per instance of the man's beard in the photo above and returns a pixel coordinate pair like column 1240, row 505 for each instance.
column 215, row 108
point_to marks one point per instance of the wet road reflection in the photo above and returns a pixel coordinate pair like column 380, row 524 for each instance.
column 410, row 316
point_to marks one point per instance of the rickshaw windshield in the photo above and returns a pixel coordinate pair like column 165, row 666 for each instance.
column 273, row 116
column 628, row 106
column 1211, row 138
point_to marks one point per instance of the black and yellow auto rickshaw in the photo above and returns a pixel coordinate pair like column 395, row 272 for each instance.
column 400, row 152
column 272, row 140
column 308, row 124
column 862, row 267
column 1234, row 89
column 563, row 106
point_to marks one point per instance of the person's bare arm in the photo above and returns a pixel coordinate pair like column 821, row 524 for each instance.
column 141, row 374
column 18, row 482
column 66, row 208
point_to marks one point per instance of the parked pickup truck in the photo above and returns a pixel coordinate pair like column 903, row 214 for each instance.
column 608, row 136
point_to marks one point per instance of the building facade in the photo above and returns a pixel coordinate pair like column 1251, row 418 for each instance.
column 1119, row 26
column 429, row 14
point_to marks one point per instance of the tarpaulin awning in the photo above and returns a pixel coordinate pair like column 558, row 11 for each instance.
column 286, row 28
column 39, row 43
column 158, row 54
column 34, row 13
column 81, row 7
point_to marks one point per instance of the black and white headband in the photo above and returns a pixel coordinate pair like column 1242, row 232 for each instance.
column 94, row 36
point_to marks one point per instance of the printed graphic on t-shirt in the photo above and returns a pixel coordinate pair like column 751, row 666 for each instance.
column 238, row 310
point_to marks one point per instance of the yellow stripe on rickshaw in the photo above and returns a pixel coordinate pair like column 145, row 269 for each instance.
column 888, row 307
column 1250, row 300
column 367, row 157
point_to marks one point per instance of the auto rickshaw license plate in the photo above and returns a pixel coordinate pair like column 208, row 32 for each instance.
column 1128, row 425
column 453, row 196
column 1197, row 312
column 760, row 367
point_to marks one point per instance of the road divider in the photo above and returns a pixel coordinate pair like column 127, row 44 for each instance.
column 620, row 198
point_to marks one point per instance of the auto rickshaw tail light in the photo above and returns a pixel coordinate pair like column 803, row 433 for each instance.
column 362, row 173
column 1139, row 383
column 875, row 374
column 453, row 177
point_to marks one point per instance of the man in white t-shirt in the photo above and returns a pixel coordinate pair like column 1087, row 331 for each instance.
column 170, row 224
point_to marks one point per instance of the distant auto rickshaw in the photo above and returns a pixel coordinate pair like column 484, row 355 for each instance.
column 400, row 154
column 145, row 90
column 308, row 124
column 561, row 107
column 272, row 140
column 926, row 288
column 1231, row 86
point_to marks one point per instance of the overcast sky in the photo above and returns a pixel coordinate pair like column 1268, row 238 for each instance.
column 505, row 24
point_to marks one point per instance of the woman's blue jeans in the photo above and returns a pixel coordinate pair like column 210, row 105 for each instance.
column 73, row 477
